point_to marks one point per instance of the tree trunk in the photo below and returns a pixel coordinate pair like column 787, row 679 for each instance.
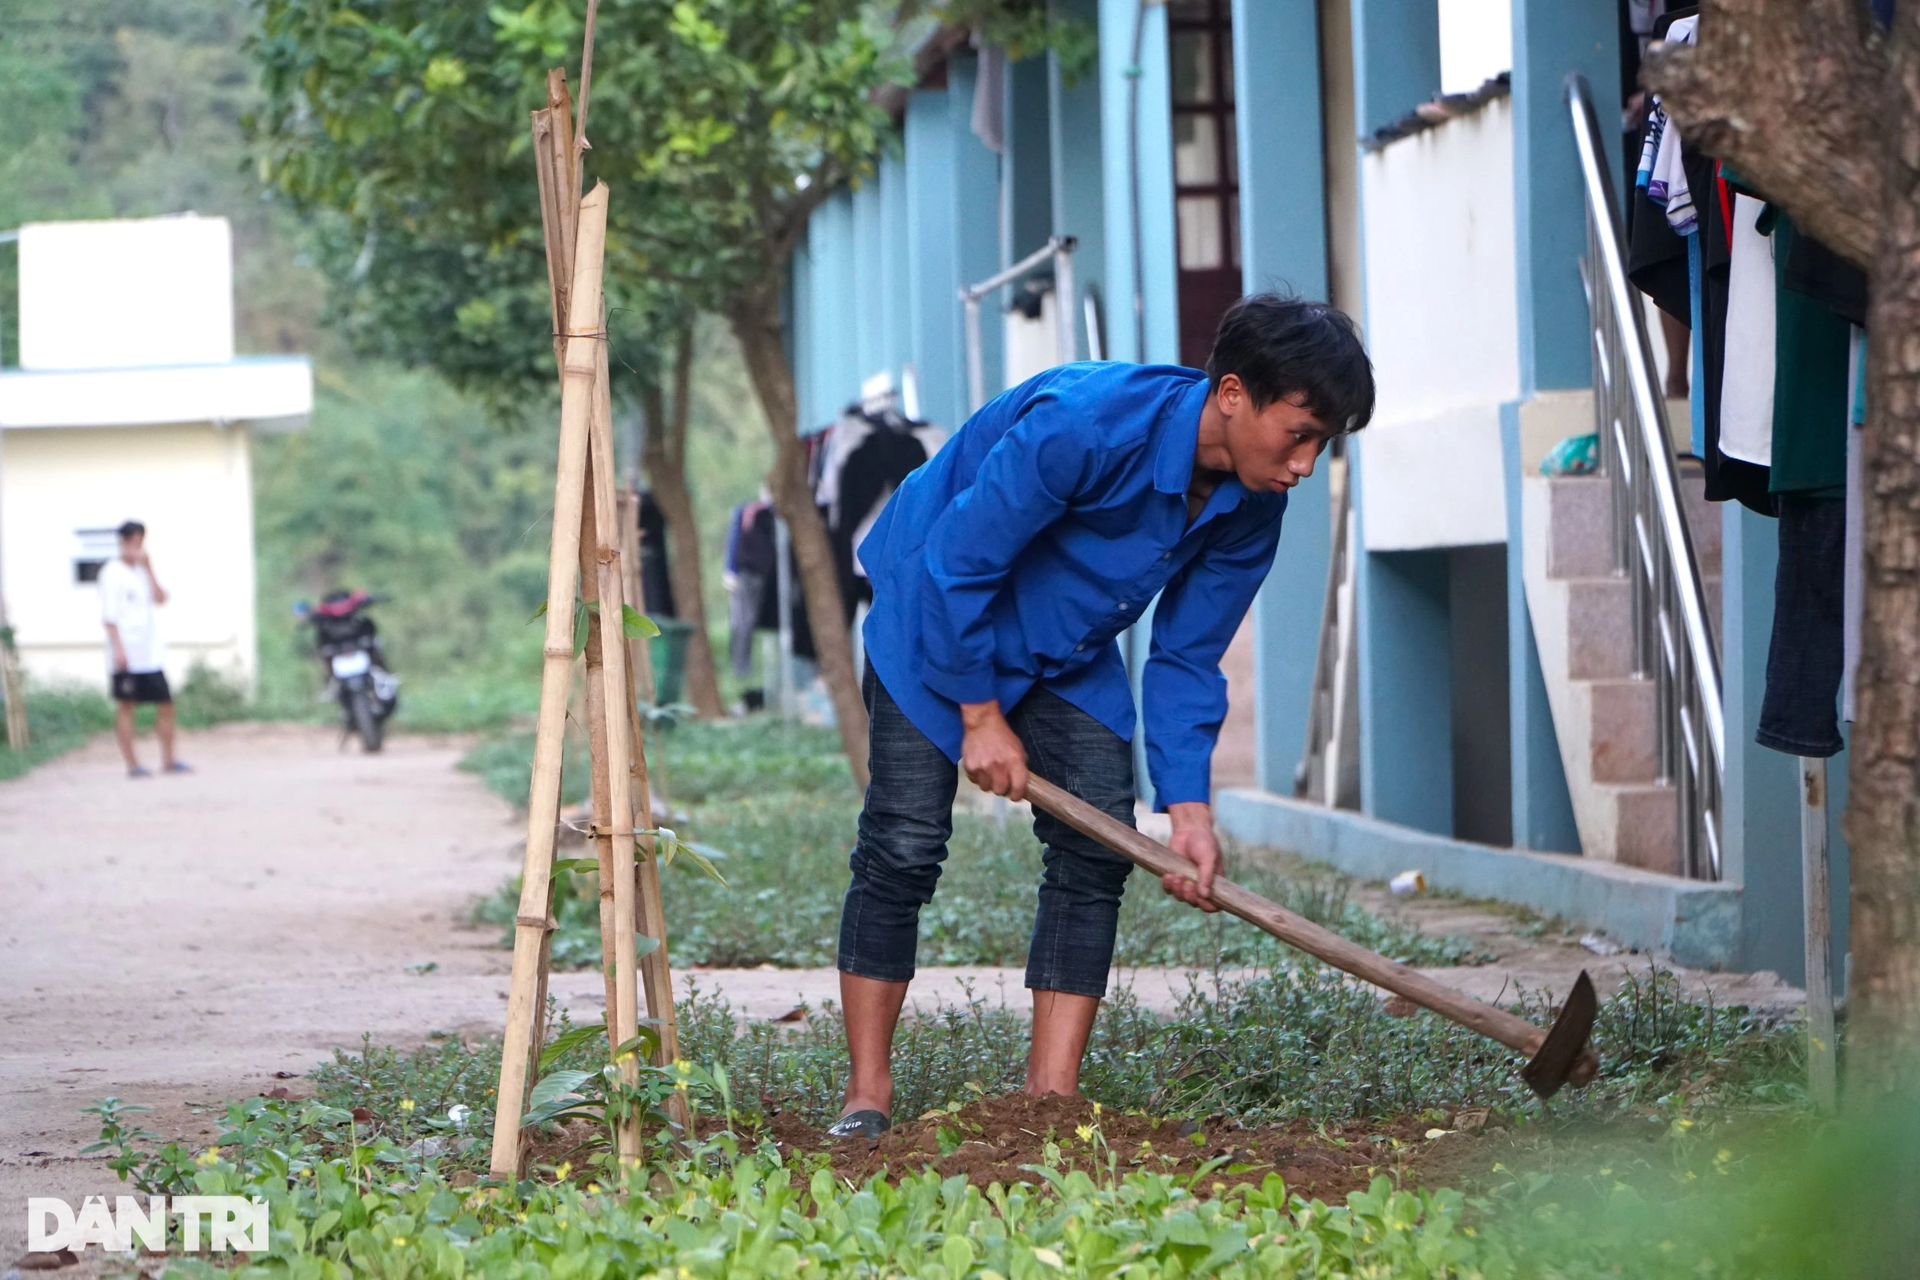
column 1883, row 809
column 665, row 458
column 756, row 323
column 1809, row 101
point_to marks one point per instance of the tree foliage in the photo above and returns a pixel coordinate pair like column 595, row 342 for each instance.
column 403, row 124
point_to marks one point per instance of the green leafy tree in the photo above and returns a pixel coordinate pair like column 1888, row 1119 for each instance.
column 720, row 125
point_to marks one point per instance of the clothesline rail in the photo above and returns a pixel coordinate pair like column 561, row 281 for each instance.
column 1653, row 546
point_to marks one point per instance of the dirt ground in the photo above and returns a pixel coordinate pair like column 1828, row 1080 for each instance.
column 179, row 942
column 991, row 1140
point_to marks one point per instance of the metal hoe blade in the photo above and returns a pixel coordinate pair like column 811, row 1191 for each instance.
column 1564, row 1055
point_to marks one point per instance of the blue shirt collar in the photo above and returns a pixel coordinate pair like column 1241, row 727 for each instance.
column 1179, row 440
column 1173, row 464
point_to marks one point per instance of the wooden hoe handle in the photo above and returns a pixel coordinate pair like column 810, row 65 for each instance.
column 1294, row 930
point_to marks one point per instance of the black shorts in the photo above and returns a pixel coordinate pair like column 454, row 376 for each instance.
column 141, row 686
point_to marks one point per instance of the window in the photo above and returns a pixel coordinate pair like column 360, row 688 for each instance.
column 1206, row 169
column 95, row 548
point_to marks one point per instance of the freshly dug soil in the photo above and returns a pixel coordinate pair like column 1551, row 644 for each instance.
column 990, row 1140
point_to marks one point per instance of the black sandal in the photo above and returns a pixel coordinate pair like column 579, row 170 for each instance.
column 861, row 1124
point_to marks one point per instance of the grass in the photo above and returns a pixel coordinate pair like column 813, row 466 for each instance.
column 1692, row 1155
column 64, row 716
column 777, row 802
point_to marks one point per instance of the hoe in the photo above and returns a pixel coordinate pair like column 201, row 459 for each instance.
column 1559, row 1055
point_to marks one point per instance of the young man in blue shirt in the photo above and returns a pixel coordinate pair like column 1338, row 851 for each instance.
column 1002, row 571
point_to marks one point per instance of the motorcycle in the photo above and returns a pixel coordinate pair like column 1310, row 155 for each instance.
column 348, row 646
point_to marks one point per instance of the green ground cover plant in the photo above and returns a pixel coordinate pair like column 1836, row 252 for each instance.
column 1658, row 1170
column 775, row 803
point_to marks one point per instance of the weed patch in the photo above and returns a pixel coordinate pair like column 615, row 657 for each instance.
column 777, row 802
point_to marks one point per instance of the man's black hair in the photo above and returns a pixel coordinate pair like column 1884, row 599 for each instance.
column 130, row 529
column 1283, row 347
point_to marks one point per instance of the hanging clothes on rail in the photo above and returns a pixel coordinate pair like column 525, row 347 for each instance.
column 872, row 451
column 1806, row 659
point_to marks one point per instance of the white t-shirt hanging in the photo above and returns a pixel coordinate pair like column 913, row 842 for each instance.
column 1746, row 383
column 126, row 600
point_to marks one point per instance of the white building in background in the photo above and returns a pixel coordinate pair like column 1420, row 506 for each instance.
column 129, row 404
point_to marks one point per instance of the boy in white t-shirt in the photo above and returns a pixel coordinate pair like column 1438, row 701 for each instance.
column 128, row 594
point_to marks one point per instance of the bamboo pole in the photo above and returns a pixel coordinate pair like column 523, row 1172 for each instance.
column 621, row 745
column 533, row 922
column 596, row 709
column 656, row 971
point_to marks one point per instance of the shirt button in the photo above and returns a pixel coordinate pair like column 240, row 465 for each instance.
column 1079, row 648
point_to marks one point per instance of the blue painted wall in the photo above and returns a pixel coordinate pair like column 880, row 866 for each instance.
column 1396, row 55
column 1551, row 40
column 1283, row 244
column 1078, row 160
column 1159, row 312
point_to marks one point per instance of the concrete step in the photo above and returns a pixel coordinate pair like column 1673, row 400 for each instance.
column 1646, row 827
column 1621, row 731
column 1599, row 629
column 1580, row 531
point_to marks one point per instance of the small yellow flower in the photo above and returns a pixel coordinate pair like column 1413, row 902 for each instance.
column 1086, row 1132
column 566, row 1167
column 593, row 1188
column 406, row 1104
column 210, row 1156
column 1096, row 1109
column 399, row 1242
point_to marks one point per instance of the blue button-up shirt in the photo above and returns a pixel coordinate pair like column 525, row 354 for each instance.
column 1043, row 529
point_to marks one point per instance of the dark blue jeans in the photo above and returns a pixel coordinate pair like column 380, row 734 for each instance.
column 908, row 818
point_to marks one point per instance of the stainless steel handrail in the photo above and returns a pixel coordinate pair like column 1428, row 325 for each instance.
column 1058, row 250
column 1653, row 546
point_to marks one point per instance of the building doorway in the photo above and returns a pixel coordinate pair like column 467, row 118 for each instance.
column 1206, row 169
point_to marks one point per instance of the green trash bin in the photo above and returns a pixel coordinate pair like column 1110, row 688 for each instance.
column 669, row 654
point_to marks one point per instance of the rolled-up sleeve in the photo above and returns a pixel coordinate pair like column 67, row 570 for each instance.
column 1184, row 695
column 1024, row 484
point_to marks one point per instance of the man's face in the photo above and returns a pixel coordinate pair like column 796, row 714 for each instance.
column 131, row 546
column 1273, row 448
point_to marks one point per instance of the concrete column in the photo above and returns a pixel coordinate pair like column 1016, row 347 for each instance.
column 1760, row 831
column 1542, row 805
column 863, row 300
column 896, row 270
column 797, row 318
column 1079, row 196
column 1551, row 40
column 830, row 295
column 1406, row 689
column 1154, row 312
column 1283, row 244
column 976, row 243
column 932, row 207
column 1396, row 58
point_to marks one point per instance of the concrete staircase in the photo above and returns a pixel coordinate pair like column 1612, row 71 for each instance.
column 1603, row 716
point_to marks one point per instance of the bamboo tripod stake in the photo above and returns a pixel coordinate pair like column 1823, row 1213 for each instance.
column 590, row 539
column 533, row 924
